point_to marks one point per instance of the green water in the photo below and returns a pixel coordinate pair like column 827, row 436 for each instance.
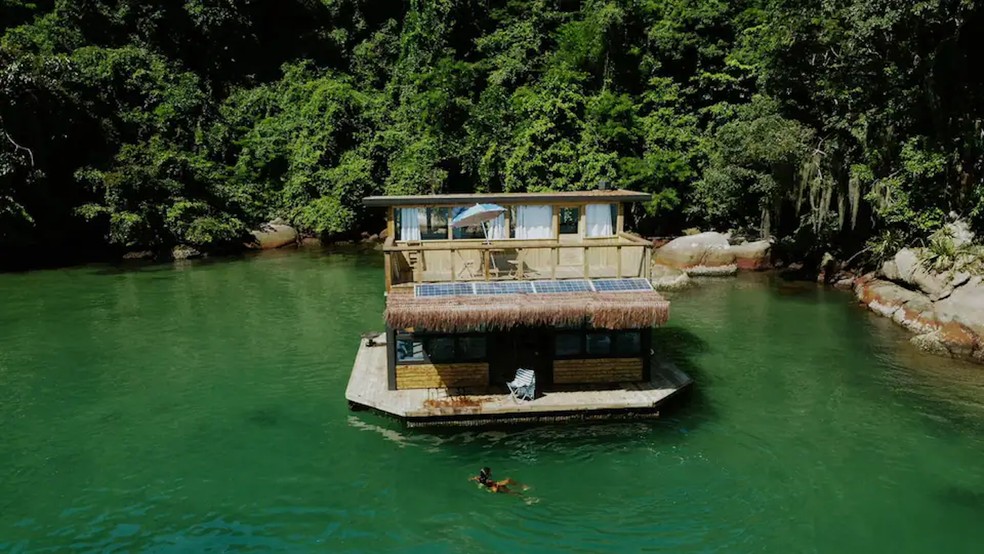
column 200, row 408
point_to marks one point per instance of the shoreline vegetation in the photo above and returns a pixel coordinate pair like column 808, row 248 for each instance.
column 837, row 129
column 842, row 135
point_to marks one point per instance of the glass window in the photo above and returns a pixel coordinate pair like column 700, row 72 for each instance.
column 614, row 208
column 409, row 350
column 470, row 232
column 628, row 343
column 599, row 344
column 568, row 220
column 567, row 344
column 440, row 349
column 471, row 348
column 433, row 223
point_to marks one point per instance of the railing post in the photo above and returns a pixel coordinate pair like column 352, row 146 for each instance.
column 587, row 270
column 388, row 268
column 486, row 254
column 555, row 258
column 618, row 261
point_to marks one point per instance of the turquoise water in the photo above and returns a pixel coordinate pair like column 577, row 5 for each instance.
column 200, row 407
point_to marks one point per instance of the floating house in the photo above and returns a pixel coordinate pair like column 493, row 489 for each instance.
column 480, row 286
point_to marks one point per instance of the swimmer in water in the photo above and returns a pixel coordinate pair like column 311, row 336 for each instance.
column 484, row 478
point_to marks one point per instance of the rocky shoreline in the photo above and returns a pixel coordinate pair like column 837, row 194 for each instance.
column 945, row 310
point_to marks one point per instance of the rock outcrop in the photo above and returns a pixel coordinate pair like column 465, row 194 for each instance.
column 711, row 253
column 669, row 278
column 185, row 252
column 273, row 235
column 947, row 313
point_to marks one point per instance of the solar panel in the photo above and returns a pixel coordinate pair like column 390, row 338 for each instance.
column 444, row 289
column 573, row 285
column 505, row 287
column 495, row 288
column 622, row 285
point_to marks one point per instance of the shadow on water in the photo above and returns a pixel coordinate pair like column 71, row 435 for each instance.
column 694, row 408
column 357, row 254
column 963, row 497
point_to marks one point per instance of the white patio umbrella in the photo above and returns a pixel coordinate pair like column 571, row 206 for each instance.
column 479, row 214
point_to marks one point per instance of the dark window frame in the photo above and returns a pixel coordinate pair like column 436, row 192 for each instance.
column 583, row 353
column 577, row 220
column 424, row 338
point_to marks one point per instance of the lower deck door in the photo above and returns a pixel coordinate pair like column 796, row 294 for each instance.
column 524, row 347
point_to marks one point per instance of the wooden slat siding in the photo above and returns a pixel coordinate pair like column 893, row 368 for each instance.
column 598, row 370
column 427, row 376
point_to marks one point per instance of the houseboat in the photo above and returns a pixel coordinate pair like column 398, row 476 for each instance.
column 514, row 307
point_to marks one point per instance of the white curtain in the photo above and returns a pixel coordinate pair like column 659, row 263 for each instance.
column 497, row 227
column 409, row 224
column 534, row 222
column 599, row 220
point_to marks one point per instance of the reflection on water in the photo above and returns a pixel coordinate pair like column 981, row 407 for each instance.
column 201, row 407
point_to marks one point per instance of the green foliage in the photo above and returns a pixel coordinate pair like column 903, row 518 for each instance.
column 147, row 124
column 943, row 254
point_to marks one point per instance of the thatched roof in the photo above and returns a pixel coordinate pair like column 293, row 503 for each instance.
column 613, row 310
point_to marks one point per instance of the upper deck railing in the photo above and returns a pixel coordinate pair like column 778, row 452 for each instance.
column 623, row 255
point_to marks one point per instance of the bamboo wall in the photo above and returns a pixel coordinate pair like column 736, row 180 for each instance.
column 599, row 370
column 428, row 376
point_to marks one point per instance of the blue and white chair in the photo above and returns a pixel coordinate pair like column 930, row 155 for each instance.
column 523, row 386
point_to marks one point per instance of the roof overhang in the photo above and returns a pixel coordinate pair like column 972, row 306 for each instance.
column 603, row 310
column 509, row 198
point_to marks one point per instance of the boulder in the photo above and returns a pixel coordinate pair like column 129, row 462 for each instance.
column 698, row 254
column 909, row 271
column 185, row 252
column 273, row 235
column 311, row 242
column 669, row 278
column 712, row 270
column 890, row 271
column 952, row 325
column 965, row 305
column 753, row 255
column 960, row 231
column 138, row 255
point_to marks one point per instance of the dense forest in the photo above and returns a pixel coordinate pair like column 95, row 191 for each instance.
column 831, row 125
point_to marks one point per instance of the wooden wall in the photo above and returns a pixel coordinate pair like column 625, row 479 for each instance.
column 428, row 376
column 599, row 370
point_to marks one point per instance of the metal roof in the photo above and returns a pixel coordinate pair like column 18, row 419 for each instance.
column 584, row 196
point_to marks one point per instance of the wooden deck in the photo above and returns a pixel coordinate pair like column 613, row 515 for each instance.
column 367, row 388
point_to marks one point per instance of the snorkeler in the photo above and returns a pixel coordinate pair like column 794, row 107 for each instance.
column 484, row 478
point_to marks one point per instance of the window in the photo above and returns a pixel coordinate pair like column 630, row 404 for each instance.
column 471, row 349
column 433, row 223
column 409, row 350
column 600, row 220
column 567, row 344
column 569, row 218
column 628, row 343
column 599, row 344
column 440, row 349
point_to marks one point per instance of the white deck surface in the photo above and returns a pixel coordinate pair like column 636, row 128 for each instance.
column 368, row 387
